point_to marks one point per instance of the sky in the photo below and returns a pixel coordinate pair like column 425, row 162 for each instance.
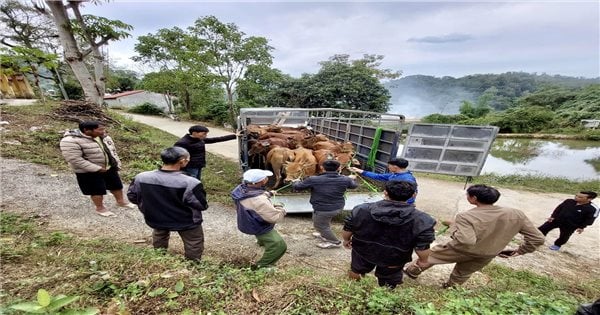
column 443, row 38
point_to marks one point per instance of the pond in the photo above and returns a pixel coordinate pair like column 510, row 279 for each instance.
column 572, row 159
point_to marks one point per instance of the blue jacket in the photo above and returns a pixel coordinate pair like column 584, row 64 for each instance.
column 249, row 221
column 405, row 176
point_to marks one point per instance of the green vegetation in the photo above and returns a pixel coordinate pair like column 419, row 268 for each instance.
column 138, row 146
column 119, row 278
column 147, row 109
column 548, row 110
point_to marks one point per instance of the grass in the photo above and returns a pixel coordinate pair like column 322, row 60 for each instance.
column 120, row 278
column 33, row 136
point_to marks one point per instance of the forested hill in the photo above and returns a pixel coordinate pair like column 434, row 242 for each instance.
column 421, row 95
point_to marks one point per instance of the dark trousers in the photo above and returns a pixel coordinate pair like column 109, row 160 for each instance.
column 193, row 241
column 388, row 276
column 565, row 231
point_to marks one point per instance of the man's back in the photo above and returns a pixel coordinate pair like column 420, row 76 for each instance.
column 327, row 190
column 486, row 230
column 387, row 231
column 169, row 199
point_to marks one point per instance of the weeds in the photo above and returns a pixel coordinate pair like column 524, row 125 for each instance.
column 125, row 278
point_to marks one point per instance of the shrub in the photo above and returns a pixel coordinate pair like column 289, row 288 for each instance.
column 147, row 109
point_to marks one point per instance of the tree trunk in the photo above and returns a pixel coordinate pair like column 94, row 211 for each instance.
column 232, row 112
column 73, row 56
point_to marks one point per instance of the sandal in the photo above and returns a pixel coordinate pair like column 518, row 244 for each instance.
column 413, row 271
column 107, row 214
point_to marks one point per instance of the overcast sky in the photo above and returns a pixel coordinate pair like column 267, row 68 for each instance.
column 440, row 38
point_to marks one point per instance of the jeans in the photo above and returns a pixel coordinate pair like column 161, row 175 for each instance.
column 193, row 241
column 193, row 172
column 322, row 223
column 274, row 246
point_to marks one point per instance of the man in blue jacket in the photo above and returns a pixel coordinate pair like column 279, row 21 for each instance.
column 327, row 199
column 256, row 215
column 398, row 171
column 171, row 201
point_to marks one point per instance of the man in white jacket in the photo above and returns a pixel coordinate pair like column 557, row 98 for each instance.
column 92, row 155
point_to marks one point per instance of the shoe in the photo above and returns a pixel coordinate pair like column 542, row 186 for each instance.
column 128, row 206
column 412, row 271
column 329, row 245
column 554, row 247
column 318, row 235
column 107, row 214
column 447, row 285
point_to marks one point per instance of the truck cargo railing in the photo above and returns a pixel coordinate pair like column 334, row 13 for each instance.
column 362, row 128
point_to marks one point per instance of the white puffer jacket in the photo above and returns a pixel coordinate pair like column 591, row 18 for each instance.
column 84, row 154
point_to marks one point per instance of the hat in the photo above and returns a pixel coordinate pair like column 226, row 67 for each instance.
column 254, row 176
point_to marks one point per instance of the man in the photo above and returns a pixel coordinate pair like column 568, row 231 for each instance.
column 195, row 142
column 398, row 171
column 92, row 155
column 172, row 201
column 383, row 234
column 479, row 235
column 327, row 199
column 256, row 215
column 570, row 216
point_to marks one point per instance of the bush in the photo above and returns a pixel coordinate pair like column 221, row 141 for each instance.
column 147, row 109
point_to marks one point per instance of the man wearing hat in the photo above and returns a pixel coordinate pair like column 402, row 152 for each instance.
column 256, row 215
column 194, row 143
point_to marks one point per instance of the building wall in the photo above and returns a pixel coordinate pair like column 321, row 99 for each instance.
column 132, row 100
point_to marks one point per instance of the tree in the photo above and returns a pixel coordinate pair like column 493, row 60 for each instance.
column 32, row 45
column 259, row 87
column 181, row 69
column 342, row 83
column 229, row 53
column 120, row 80
column 93, row 32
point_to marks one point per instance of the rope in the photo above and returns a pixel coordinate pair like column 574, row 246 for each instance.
column 374, row 147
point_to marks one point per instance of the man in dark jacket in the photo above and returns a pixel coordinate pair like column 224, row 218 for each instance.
column 383, row 234
column 570, row 216
column 256, row 215
column 194, row 143
column 171, row 201
column 327, row 199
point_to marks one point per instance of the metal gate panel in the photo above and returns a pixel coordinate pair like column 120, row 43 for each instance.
column 448, row 149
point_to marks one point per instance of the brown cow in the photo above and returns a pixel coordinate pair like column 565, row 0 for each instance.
column 322, row 156
column 304, row 165
column 327, row 145
column 277, row 158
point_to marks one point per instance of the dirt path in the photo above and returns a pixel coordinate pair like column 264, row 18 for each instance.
column 37, row 190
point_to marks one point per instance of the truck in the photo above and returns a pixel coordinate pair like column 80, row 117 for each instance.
column 434, row 148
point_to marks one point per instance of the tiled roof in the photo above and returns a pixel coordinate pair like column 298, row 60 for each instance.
column 115, row 96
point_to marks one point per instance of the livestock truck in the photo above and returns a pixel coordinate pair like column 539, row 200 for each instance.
column 434, row 148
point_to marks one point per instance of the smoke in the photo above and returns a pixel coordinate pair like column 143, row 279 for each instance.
column 416, row 99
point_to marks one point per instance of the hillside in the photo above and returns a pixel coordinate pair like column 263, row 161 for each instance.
column 421, row 95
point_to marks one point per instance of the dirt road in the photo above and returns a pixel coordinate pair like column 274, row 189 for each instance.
column 37, row 190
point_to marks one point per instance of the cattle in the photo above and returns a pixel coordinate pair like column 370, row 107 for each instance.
column 326, row 145
column 322, row 156
column 304, row 165
column 277, row 159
